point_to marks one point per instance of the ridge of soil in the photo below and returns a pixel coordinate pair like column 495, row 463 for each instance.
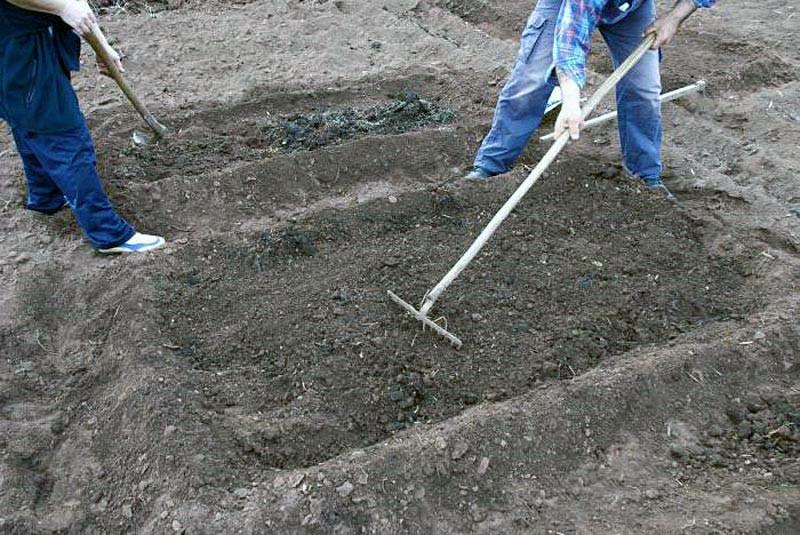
column 630, row 366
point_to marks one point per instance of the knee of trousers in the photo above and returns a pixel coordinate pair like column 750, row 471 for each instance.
column 641, row 88
column 526, row 85
column 529, row 85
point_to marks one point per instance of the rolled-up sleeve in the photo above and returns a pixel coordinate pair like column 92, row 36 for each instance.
column 573, row 34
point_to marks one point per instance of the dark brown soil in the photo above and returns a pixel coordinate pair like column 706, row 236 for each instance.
column 558, row 293
column 629, row 365
column 760, row 434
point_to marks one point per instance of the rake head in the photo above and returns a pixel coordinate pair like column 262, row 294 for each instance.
column 426, row 320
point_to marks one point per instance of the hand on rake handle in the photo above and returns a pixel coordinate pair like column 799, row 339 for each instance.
column 664, row 28
column 570, row 118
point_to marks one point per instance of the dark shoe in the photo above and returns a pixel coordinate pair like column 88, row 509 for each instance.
column 658, row 187
column 478, row 175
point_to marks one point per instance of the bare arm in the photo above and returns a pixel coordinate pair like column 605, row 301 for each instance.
column 76, row 13
column 667, row 26
column 54, row 7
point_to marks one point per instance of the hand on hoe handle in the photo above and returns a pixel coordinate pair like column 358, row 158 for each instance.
column 80, row 17
column 112, row 55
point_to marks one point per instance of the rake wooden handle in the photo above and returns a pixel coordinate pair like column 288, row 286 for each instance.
column 96, row 40
column 537, row 172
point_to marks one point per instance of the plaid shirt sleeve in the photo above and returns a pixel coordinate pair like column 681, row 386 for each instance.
column 573, row 34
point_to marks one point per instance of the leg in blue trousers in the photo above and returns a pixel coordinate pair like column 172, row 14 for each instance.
column 522, row 101
column 638, row 104
column 43, row 194
column 63, row 166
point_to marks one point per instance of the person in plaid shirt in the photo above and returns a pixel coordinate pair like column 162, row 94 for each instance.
column 553, row 51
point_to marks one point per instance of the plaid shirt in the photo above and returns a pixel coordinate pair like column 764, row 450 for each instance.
column 574, row 30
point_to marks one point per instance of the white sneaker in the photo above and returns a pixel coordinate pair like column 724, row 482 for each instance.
column 138, row 243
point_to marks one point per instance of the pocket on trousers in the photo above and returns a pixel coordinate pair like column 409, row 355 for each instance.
column 533, row 31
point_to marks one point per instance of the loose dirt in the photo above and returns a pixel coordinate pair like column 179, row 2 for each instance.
column 630, row 366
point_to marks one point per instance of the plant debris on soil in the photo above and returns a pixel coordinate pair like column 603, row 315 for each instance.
column 314, row 130
column 137, row 6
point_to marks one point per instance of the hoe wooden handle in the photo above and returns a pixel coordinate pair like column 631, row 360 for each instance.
column 96, row 40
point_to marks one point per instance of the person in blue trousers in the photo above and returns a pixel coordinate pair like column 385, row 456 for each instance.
column 39, row 47
column 553, row 51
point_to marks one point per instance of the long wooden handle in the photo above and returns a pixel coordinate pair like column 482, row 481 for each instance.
column 96, row 40
column 537, row 172
column 618, row 74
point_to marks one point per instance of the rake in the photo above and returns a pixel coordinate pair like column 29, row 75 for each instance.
column 430, row 298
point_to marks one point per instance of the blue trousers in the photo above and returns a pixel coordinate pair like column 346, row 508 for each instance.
column 523, row 99
column 61, row 168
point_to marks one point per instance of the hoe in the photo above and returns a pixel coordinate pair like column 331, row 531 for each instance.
column 96, row 40
column 430, row 298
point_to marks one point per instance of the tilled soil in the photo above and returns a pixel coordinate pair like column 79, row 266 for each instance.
column 257, row 131
column 557, row 294
column 629, row 365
